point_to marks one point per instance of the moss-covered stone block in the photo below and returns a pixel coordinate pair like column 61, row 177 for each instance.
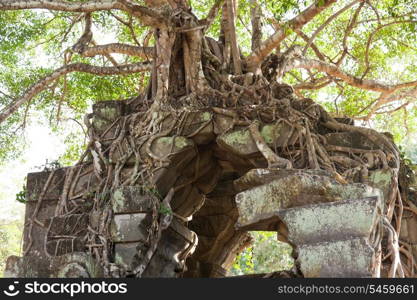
column 240, row 141
column 383, row 180
column 131, row 199
column 105, row 113
column 258, row 205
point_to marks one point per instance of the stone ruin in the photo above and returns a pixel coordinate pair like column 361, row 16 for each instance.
column 211, row 184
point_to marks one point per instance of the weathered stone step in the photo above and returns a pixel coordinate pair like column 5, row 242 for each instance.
column 332, row 221
column 342, row 258
column 260, row 205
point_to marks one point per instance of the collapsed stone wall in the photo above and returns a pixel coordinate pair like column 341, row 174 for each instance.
column 179, row 203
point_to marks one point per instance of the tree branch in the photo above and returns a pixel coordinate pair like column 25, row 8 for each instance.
column 231, row 13
column 76, row 67
column 334, row 71
column 348, row 30
column 312, row 45
column 257, row 56
column 214, row 11
column 59, row 5
column 256, row 14
column 327, row 22
column 385, row 99
column 372, row 35
column 144, row 52
column 147, row 15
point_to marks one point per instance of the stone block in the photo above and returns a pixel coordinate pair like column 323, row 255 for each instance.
column 130, row 227
column 169, row 258
column 259, row 206
column 37, row 237
column 173, row 243
column 26, row 267
column 63, row 246
column 69, row 225
column 85, row 181
column 342, row 258
column 332, row 221
column 257, row 177
column 124, row 253
column 187, row 201
column 167, row 146
column 73, row 265
column 383, row 180
column 104, row 114
column 241, row 143
column 198, row 126
column 351, row 140
column 76, row 265
column 131, row 199
column 36, row 182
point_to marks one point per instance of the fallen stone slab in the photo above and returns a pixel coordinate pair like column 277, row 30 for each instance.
column 260, row 176
column 259, row 206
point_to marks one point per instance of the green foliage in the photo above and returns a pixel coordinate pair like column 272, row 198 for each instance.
column 21, row 196
column 164, row 210
column 10, row 239
column 265, row 255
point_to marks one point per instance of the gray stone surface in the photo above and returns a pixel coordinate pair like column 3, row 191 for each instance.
column 265, row 201
column 130, row 199
column 73, row 265
column 332, row 221
column 124, row 253
column 129, row 227
column 340, row 258
column 351, row 139
column 240, row 141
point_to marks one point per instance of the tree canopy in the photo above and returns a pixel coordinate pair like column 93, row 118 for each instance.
column 356, row 57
